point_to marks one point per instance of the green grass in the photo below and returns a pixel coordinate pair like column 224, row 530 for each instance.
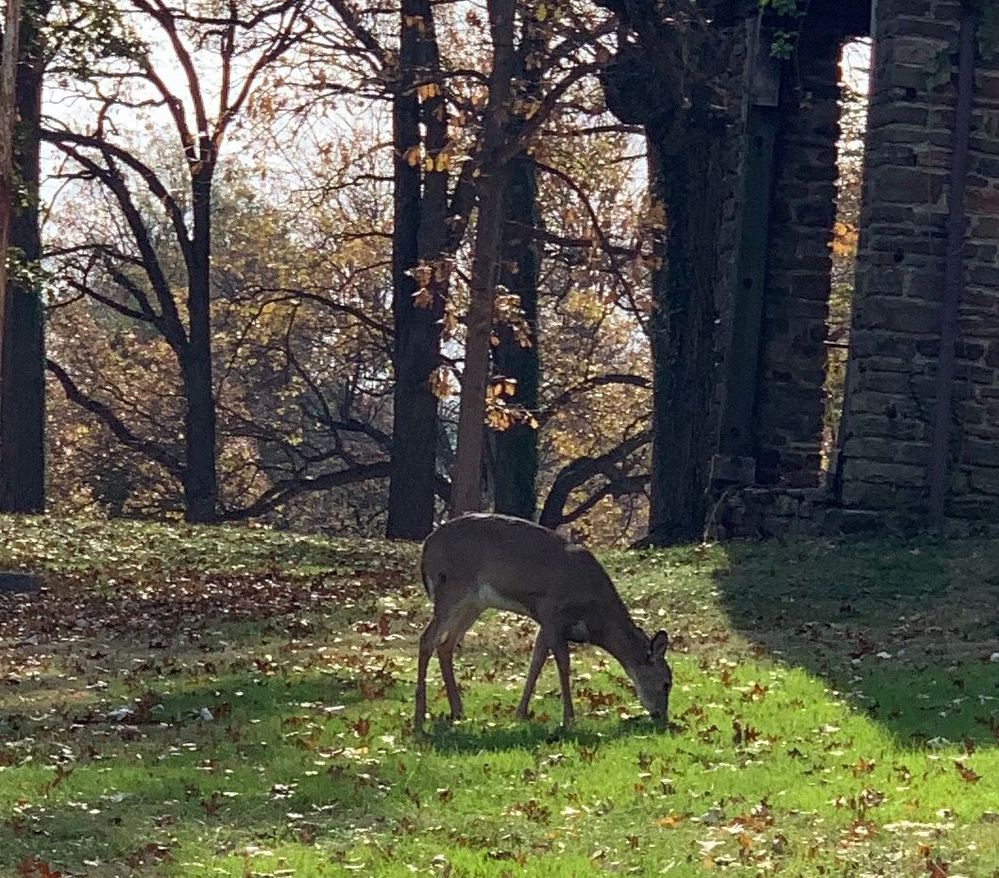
column 834, row 712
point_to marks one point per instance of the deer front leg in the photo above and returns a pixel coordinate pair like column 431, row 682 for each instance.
column 538, row 658
column 427, row 639
column 561, row 650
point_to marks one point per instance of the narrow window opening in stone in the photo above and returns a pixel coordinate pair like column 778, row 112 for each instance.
column 855, row 67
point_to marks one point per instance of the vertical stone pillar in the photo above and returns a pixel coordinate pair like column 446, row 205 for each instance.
column 890, row 396
column 790, row 397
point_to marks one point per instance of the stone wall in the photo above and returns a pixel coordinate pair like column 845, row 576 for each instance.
column 775, row 513
column 735, row 86
column 900, row 275
column 775, row 261
column 881, row 476
column 759, row 513
column 790, row 399
column 768, row 487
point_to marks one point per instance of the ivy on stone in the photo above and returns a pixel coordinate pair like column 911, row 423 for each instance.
column 785, row 37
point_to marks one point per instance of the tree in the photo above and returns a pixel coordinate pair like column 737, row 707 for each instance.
column 246, row 40
column 441, row 168
column 515, row 355
column 8, row 108
column 22, row 385
column 466, row 493
column 665, row 78
column 528, row 85
column 328, row 318
column 301, row 341
column 419, row 270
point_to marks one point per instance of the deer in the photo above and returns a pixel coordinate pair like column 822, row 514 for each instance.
column 480, row 561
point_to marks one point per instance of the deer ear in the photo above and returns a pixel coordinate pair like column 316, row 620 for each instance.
column 659, row 645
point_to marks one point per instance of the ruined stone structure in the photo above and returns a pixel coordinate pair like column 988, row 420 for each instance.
column 924, row 196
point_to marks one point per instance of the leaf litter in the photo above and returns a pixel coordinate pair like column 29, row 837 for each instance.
column 181, row 701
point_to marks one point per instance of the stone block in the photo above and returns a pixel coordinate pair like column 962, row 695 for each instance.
column 731, row 470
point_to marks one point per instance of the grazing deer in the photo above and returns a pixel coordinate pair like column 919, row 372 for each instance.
column 480, row 561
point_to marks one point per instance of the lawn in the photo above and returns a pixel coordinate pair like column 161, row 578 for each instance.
column 200, row 702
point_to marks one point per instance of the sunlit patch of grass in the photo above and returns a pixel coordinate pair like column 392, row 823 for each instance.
column 835, row 712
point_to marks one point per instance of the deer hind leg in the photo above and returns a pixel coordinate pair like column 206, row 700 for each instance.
column 452, row 632
column 561, row 649
column 538, row 658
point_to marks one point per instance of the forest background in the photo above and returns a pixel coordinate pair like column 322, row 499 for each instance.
column 275, row 244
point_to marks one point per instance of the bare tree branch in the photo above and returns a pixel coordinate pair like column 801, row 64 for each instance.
column 172, row 327
column 589, row 384
column 110, row 420
column 582, row 469
column 148, row 176
column 282, row 492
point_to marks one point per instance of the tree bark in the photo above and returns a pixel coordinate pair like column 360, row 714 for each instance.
column 516, row 448
column 516, row 458
column 666, row 78
column 419, row 235
column 22, row 388
column 8, row 75
column 683, row 172
column 466, row 494
column 200, row 477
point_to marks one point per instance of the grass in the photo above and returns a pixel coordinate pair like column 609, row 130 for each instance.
column 194, row 702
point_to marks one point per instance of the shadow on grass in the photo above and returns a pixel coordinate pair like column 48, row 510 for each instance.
column 178, row 801
column 903, row 631
column 165, row 772
column 447, row 738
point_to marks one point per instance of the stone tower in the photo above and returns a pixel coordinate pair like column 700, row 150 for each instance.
column 920, row 430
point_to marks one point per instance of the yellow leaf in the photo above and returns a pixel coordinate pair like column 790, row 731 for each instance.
column 449, row 324
column 440, row 382
column 845, row 239
column 412, row 156
column 427, row 90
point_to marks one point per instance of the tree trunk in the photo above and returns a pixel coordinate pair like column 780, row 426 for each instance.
column 516, row 465
column 683, row 172
column 200, row 478
column 22, row 388
column 416, row 352
column 8, row 75
column 667, row 75
column 466, row 494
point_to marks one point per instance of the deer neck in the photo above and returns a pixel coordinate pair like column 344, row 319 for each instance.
column 625, row 641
